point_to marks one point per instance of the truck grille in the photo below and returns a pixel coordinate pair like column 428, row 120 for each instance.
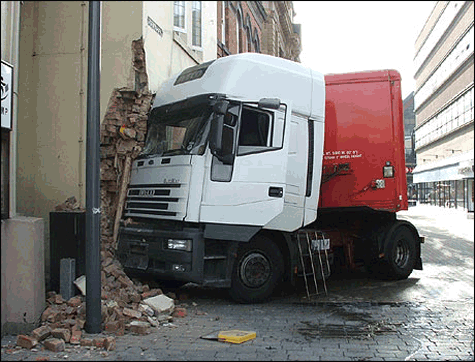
column 156, row 201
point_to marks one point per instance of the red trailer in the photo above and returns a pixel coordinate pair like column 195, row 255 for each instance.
column 363, row 175
column 364, row 137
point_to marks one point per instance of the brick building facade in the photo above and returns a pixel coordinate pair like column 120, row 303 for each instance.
column 281, row 37
column 259, row 27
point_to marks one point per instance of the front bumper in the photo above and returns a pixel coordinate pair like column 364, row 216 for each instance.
column 143, row 249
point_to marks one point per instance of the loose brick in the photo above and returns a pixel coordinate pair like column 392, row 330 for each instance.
column 109, row 343
column 26, row 341
column 74, row 302
column 179, row 313
column 135, row 297
column 75, row 337
column 132, row 313
column 80, row 323
column 107, row 262
column 69, row 322
column 171, row 295
column 46, row 313
column 139, row 327
column 98, row 342
column 109, row 268
column 54, row 325
column 63, row 333
column 70, row 310
column 114, row 326
column 151, row 293
column 41, row 333
column 55, row 316
column 54, row 344
column 87, row 342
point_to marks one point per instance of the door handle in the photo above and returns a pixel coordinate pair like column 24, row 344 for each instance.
column 276, row 191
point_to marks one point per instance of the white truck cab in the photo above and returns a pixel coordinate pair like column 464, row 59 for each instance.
column 234, row 146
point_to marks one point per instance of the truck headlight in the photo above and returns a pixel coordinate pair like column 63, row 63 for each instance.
column 179, row 244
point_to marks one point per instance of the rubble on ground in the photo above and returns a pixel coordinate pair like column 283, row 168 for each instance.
column 126, row 307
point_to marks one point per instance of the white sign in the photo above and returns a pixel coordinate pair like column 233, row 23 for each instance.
column 7, row 90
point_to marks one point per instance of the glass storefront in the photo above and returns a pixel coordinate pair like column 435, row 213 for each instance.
column 450, row 193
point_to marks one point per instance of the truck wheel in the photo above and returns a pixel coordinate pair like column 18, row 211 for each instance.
column 400, row 254
column 258, row 269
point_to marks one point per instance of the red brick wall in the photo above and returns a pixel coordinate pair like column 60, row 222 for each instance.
column 231, row 16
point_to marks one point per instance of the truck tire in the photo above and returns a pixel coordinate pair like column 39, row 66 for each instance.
column 400, row 254
column 257, row 271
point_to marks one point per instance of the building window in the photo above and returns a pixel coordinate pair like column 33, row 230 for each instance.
column 462, row 51
column 455, row 115
column 238, row 32
column 179, row 15
column 223, row 22
column 196, row 23
column 257, row 46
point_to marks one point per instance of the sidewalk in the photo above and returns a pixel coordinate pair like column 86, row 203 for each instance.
column 457, row 221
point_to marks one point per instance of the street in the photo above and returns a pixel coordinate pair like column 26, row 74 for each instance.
column 429, row 316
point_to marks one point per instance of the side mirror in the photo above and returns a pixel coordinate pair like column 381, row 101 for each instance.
column 222, row 131
column 216, row 134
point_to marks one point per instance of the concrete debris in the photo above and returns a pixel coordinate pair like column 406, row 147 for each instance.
column 80, row 283
column 160, row 304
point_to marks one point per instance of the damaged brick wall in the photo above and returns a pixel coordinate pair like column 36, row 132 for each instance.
column 123, row 300
column 123, row 133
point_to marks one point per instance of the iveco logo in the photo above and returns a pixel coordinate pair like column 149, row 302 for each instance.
column 146, row 192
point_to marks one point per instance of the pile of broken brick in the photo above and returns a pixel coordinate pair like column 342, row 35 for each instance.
column 126, row 307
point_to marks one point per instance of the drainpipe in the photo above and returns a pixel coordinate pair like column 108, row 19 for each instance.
column 93, row 199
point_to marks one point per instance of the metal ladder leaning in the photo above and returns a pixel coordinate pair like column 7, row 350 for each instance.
column 311, row 249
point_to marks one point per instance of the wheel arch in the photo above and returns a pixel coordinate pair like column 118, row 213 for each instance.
column 283, row 245
column 391, row 231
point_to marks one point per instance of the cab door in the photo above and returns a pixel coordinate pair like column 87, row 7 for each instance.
column 249, row 190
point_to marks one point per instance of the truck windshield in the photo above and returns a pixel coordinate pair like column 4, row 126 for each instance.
column 177, row 131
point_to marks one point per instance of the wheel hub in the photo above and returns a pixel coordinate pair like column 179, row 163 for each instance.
column 255, row 270
column 402, row 254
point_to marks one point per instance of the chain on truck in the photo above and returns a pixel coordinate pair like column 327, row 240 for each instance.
column 258, row 171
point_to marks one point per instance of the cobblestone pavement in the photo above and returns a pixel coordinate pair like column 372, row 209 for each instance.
column 429, row 316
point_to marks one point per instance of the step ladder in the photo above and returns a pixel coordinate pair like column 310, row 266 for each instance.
column 311, row 243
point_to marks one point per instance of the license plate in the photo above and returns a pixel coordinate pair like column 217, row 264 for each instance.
column 137, row 261
column 138, row 256
column 320, row 244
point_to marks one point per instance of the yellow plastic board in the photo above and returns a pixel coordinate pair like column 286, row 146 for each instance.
column 235, row 336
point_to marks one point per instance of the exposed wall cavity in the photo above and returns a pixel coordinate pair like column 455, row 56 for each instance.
column 123, row 133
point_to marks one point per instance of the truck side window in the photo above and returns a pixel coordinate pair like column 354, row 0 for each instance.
column 255, row 135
